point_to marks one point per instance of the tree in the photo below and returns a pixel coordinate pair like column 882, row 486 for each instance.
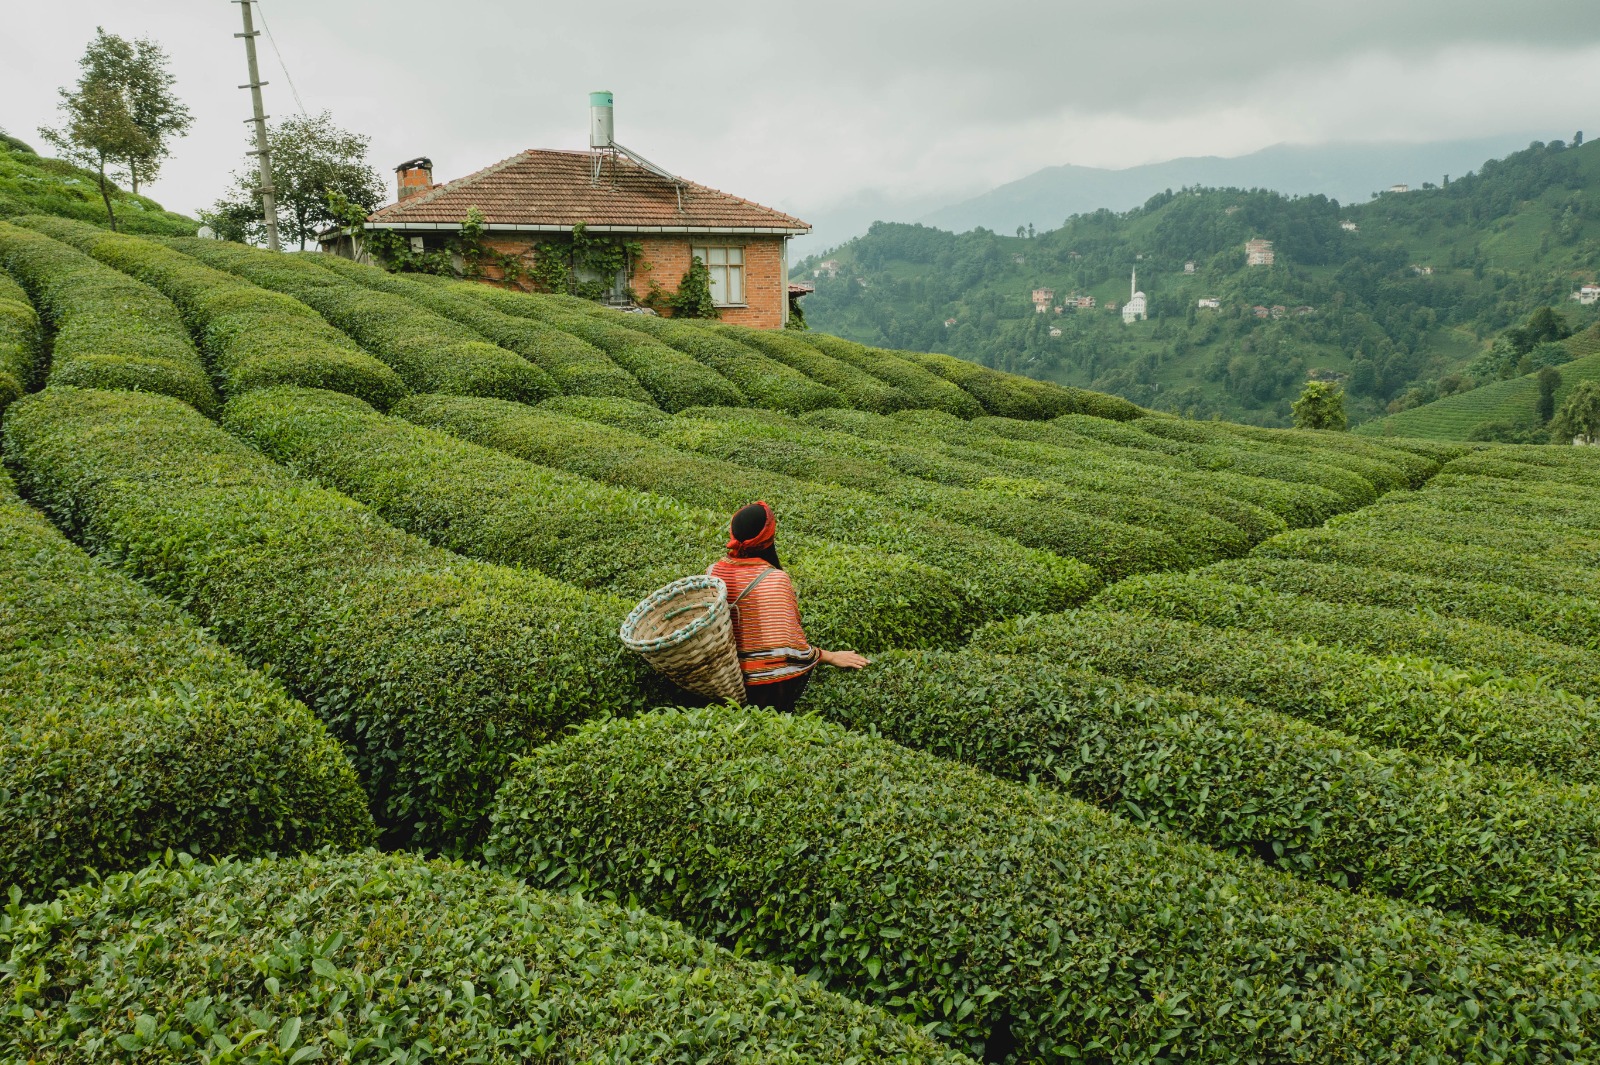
column 1320, row 406
column 312, row 159
column 1549, row 381
column 1579, row 417
column 101, row 132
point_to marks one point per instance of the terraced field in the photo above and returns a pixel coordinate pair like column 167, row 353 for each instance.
column 1181, row 741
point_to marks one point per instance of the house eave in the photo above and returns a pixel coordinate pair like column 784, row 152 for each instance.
column 553, row 227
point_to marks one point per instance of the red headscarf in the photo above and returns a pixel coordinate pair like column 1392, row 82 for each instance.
column 761, row 541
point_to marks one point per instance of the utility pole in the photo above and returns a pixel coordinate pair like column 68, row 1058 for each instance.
column 269, row 203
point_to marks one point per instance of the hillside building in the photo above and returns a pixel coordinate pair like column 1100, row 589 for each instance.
column 1399, row 188
column 1055, row 330
column 1258, row 252
column 1209, row 303
column 1588, row 294
column 949, row 323
column 830, row 267
column 1042, row 299
column 1134, row 309
column 1348, row 226
column 1188, row 267
column 537, row 196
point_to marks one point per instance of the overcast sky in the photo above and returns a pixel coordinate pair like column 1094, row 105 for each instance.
column 805, row 106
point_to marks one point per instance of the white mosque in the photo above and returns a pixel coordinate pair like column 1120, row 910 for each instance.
column 1134, row 309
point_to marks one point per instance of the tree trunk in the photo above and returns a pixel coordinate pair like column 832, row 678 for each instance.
column 133, row 177
column 105, row 194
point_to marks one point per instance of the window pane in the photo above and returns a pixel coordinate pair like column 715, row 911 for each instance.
column 698, row 253
column 719, row 256
column 735, row 284
column 735, row 256
column 719, row 284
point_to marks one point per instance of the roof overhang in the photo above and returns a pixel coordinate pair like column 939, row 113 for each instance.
column 556, row 227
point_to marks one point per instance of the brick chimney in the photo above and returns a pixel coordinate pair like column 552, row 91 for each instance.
column 414, row 176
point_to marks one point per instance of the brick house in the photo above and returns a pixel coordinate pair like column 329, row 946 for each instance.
column 538, row 196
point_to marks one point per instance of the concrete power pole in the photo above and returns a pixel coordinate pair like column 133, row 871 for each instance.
column 269, row 203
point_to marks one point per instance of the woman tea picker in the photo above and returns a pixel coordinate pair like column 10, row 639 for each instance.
column 773, row 652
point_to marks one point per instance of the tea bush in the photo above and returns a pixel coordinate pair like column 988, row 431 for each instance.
column 927, row 389
column 765, row 382
column 435, row 670
column 1312, row 501
column 857, row 387
column 126, row 730
column 254, row 338
column 981, row 908
column 1003, row 395
column 387, row 957
column 19, row 342
column 576, row 367
column 998, row 577
column 1503, row 848
column 1564, row 619
column 109, row 331
column 790, row 448
column 596, row 536
column 1415, row 554
column 1405, row 702
column 1377, row 630
column 673, row 379
column 1212, row 523
column 430, row 353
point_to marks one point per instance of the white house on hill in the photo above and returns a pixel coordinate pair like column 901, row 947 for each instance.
column 1134, row 309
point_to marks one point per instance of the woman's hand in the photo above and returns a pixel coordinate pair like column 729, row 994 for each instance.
column 843, row 659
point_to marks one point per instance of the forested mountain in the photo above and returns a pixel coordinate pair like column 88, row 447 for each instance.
column 1397, row 307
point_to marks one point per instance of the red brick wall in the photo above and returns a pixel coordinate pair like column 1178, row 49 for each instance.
column 666, row 260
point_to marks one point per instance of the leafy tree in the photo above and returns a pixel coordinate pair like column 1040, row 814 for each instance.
column 101, row 132
column 1320, row 406
column 693, row 298
column 1579, row 416
column 312, row 158
column 140, row 68
column 1549, row 381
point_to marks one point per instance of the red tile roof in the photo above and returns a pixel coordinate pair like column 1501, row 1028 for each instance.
column 539, row 189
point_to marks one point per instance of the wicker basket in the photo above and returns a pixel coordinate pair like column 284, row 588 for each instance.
column 685, row 632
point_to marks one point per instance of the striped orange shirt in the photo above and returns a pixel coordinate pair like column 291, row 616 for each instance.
column 772, row 644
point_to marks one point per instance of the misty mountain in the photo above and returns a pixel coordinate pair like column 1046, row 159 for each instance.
column 1349, row 173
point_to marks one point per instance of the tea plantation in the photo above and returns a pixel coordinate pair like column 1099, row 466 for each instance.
column 1181, row 741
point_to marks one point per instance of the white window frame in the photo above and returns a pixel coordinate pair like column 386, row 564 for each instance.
column 719, row 260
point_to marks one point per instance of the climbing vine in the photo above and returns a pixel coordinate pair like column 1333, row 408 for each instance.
column 586, row 267
column 693, row 298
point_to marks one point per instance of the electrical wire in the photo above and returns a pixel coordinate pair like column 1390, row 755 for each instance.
column 281, row 64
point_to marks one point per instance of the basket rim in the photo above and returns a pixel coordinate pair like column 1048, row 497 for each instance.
column 664, row 595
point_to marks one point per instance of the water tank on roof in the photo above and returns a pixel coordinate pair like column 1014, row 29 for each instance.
column 602, row 132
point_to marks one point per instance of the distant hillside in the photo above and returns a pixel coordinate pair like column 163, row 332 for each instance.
column 1349, row 173
column 35, row 184
column 1394, row 306
column 1511, row 404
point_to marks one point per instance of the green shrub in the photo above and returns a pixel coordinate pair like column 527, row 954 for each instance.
column 428, row 352
column 1564, row 619
column 1415, row 554
column 109, row 331
column 19, row 342
column 435, row 670
column 765, row 382
column 927, row 389
column 387, row 957
column 1357, row 489
column 968, row 904
column 127, row 730
column 595, row 536
column 1376, row 630
column 998, row 576
column 1069, row 525
column 1403, row 702
column 1308, row 503
column 858, row 388
column 254, row 338
column 672, row 378
column 1417, row 469
column 576, row 367
column 1541, row 500
column 1504, row 848
column 1002, row 394
column 1506, row 533
column 1206, row 521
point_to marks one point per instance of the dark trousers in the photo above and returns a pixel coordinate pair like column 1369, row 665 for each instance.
column 780, row 696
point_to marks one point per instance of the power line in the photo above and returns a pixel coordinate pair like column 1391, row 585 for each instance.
column 281, row 64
